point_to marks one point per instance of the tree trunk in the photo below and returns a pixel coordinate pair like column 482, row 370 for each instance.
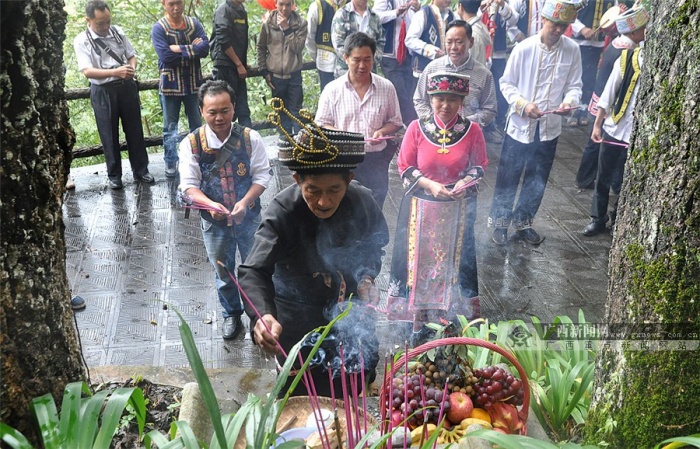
column 655, row 257
column 40, row 351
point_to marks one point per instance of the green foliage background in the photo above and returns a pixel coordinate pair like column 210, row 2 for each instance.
column 137, row 17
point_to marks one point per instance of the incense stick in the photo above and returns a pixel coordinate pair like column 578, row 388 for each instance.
column 442, row 406
column 608, row 142
column 553, row 111
column 405, row 392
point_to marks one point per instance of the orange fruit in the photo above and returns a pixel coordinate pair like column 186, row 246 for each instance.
column 480, row 413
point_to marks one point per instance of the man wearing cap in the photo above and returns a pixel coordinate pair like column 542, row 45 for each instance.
column 320, row 242
column 108, row 60
column 479, row 105
column 224, row 169
column 614, row 119
column 363, row 102
column 541, row 82
column 588, row 167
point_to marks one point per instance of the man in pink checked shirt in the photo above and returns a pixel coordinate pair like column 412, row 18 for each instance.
column 365, row 103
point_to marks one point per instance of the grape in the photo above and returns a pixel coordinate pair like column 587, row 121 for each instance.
column 494, row 384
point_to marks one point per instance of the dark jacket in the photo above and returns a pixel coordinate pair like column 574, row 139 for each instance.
column 230, row 30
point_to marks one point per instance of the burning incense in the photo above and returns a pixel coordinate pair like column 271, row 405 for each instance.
column 405, row 393
column 608, row 142
column 442, row 405
column 338, row 429
column 318, row 415
column 364, row 390
column 383, row 397
column 343, row 383
column 424, row 434
column 391, row 405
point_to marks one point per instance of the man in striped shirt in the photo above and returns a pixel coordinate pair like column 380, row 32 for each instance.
column 480, row 104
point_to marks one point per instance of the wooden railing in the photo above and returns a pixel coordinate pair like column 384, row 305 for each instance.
column 152, row 141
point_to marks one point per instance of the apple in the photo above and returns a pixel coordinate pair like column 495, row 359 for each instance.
column 396, row 418
column 461, row 407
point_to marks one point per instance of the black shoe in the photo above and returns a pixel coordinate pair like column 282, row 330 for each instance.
column 147, row 178
column 595, row 227
column 115, row 184
column 77, row 303
column 530, row 236
column 500, row 236
column 232, row 327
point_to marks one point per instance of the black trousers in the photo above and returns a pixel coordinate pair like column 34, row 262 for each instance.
column 611, row 160
column 240, row 87
column 498, row 66
column 373, row 172
column 401, row 76
column 119, row 100
column 588, row 167
column 291, row 92
column 531, row 161
column 590, row 57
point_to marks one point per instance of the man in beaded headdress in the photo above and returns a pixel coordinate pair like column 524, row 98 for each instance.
column 320, row 241
column 541, row 82
column 224, row 170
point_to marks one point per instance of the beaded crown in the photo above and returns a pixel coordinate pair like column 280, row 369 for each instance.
column 314, row 147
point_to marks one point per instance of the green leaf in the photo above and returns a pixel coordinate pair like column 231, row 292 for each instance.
column 90, row 418
column 44, row 409
column 678, row 442
column 13, row 438
column 70, row 425
column 113, row 411
column 200, row 374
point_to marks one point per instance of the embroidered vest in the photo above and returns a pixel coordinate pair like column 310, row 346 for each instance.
column 326, row 11
column 590, row 16
column 186, row 77
column 389, row 30
column 433, row 33
column 630, row 71
column 233, row 179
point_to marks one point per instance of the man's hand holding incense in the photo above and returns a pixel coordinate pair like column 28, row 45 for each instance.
column 267, row 340
column 222, row 212
column 367, row 291
column 563, row 109
column 239, row 211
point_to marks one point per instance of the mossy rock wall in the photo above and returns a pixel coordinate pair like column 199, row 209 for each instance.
column 655, row 258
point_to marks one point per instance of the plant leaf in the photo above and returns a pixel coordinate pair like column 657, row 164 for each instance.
column 112, row 413
column 44, row 409
column 13, row 438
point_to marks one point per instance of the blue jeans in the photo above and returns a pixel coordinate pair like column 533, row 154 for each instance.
column 401, row 76
column 221, row 242
column 171, row 117
column 531, row 161
column 291, row 92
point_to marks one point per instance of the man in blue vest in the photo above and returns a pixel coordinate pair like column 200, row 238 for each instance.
column 396, row 64
column 426, row 35
column 319, row 21
column 224, row 169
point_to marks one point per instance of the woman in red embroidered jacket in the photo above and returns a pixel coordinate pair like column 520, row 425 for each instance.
column 433, row 273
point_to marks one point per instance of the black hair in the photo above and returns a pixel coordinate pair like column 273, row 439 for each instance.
column 462, row 24
column 470, row 6
column 311, row 172
column 93, row 5
column 359, row 39
column 215, row 87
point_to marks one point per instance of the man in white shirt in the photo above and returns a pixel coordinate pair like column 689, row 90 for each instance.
column 223, row 171
column 318, row 40
column 541, row 82
column 108, row 60
column 396, row 18
column 614, row 120
column 363, row 102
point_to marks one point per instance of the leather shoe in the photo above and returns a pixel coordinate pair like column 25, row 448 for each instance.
column 500, row 236
column 171, row 170
column 595, row 227
column 115, row 184
column 232, row 327
column 77, row 303
column 147, row 178
column 530, row 236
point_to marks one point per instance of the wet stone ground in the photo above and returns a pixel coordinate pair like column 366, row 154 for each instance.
column 130, row 252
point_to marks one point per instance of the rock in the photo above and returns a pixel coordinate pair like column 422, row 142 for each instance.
column 193, row 410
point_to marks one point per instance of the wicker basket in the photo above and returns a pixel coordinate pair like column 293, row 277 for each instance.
column 419, row 350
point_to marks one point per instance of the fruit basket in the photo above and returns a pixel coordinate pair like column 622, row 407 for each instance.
column 500, row 401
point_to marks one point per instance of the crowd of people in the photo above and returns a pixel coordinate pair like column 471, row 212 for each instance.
column 454, row 76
